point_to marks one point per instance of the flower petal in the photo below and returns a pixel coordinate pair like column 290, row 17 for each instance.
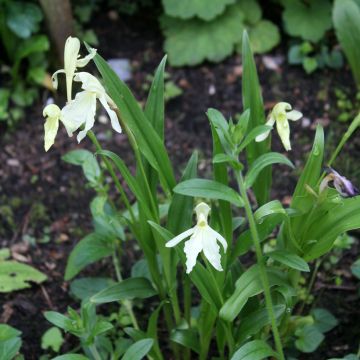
column 179, row 238
column 283, row 130
column 90, row 83
column 264, row 135
column 193, row 248
column 54, row 78
column 51, row 127
column 211, row 248
column 294, row 115
column 219, row 237
column 85, row 60
column 112, row 114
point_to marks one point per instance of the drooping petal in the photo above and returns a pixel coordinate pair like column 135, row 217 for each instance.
column 54, row 78
column 211, row 248
column 53, row 113
column 80, row 111
column 85, row 60
column 264, row 135
column 112, row 114
column 193, row 248
column 283, row 130
column 219, row 237
column 177, row 239
column 90, row 83
column 294, row 115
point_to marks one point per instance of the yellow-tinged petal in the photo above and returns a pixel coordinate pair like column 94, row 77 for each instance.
column 53, row 114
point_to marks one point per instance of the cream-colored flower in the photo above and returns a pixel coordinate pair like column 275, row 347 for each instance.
column 71, row 63
column 81, row 110
column 53, row 115
column 202, row 238
column 280, row 115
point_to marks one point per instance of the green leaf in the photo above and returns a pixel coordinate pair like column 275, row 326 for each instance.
column 148, row 141
column 264, row 36
column 138, row 350
column 86, row 287
column 252, row 323
column 249, row 284
column 258, row 130
column 310, row 20
column 187, row 9
column 308, row 338
column 187, row 338
column 17, row 276
column 310, row 64
column 87, row 161
column 58, row 320
column 291, row 260
column 23, row 18
column 36, row 44
column 324, row 320
column 128, row 289
column 355, row 268
column 295, row 55
column 252, row 100
column 209, row 189
column 252, row 11
column 193, row 41
column 8, row 332
column 9, row 348
column 71, row 357
column 52, row 339
column 254, row 350
column 346, row 17
column 262, row 162
column 90, row 249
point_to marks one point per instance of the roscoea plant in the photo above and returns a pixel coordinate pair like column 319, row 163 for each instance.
column 212, row 302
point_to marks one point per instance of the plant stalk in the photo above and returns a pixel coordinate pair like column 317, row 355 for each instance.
column 260, row 261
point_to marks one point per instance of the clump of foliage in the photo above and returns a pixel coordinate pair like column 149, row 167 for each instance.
column 200, row 291
column 24, row 61
column 196, row 31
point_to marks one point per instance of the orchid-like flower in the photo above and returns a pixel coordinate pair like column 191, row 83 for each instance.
column 81, row 110
column 71, row 63
column 280, row 115
column 53, row 115
column 202, row 238
column 342, row 184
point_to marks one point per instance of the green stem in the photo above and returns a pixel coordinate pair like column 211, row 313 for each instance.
column 187, row 298
column 111, row 171
column 260, row 261
column 127, row 303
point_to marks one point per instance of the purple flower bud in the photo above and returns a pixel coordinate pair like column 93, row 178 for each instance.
column 341, row 183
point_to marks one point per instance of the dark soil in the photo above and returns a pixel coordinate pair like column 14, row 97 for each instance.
column 44, row 192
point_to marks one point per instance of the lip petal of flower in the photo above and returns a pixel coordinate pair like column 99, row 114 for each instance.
column 341, row 183
column 202, row 238
column 83, row 108
column 71, row 63
column 53, row 114
column 280, row 114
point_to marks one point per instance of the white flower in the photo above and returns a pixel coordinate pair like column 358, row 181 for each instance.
column 71, row 62
column 81, row 110
column 203, row 238
column 53, row 115
column 281, row 114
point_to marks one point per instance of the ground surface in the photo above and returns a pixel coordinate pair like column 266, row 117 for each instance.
column 41, row 194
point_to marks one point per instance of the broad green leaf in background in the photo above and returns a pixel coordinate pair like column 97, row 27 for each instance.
column 71, row 357
column 252, row 11
column 309, row 21
column 264, row 36
column 346, row 17
column 138, row 350
column 323, row 320
column 87, row 161
column 289, row 259
column 35, row 44
column 355, row 268
column 254, row 350
column 252, row 100
column 128, row 289
column 86, row 287
column 190, row 42
column 186, row 9
column 17, row 276
column 187, row 338
column 90, row 249
column 209, row 189
column 148, row 140
column 52, row 339
column 308, row 338
column 23, row 18
column 10, row 342
column 262, row 162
